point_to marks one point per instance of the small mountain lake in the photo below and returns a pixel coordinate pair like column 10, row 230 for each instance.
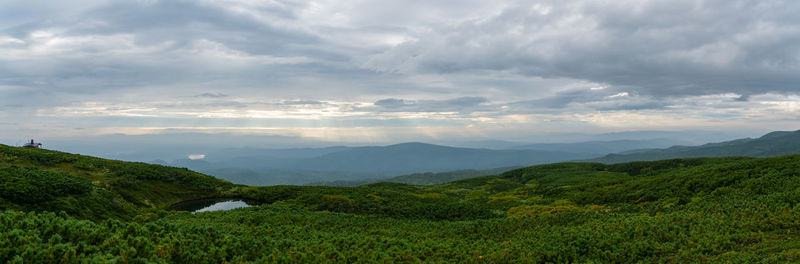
column 207, row 205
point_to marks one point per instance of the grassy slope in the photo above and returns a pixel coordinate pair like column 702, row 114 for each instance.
column 95, row 188
column 739, row 210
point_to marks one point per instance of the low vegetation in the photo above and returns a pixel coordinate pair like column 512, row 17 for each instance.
column 719, row 210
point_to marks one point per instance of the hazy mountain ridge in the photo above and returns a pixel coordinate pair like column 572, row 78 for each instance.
column 351, row 165
column 266, row 167
column 604, row 147
column 420, row 157
column 778, row 143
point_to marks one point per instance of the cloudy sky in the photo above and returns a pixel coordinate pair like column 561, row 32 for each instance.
column 391, row 71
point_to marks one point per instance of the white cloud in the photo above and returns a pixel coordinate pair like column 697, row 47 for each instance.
column 622, row 94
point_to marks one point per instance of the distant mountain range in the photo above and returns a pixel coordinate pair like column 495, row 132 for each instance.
column 773, row 144
column 341, row 165
column 420, row 157
column 302, row 166
column 604, row 147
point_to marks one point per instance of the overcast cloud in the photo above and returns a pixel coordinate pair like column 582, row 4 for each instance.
column 396, row 70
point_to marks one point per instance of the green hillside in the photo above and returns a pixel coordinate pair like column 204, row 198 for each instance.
column 718, row 210
column 427, row 178
column 779, row 143
column 94, row 188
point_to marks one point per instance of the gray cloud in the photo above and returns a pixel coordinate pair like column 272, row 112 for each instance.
column 303, row 102
column 466, row 101
column 391, row 103
column 130, row 44
column 461, row 104
column 212, row 95
column 591, row 100
column 201, row 105
column 660, row 48
column 327, row 59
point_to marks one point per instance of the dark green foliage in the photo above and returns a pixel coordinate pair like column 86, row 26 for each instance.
column 388, row 199
column 653, row 167
column 117, row 172
column 131, row 173
column 720, row 210
column 38, row 156
column 29, row 185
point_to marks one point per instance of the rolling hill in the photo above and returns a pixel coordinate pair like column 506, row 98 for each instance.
column 603, row 147
column 427, row 178
column 95, row 188
column 773, row 144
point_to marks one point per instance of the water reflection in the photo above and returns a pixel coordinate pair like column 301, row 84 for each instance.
column 207, row 205
column 223, row 206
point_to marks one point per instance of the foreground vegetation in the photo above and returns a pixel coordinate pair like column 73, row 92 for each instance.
column 736, row 210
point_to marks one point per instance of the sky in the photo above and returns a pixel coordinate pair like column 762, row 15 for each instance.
column 395, row 71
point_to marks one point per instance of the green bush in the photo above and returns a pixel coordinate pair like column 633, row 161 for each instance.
column 25, row 185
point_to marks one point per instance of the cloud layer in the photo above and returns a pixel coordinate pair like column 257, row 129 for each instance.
column 486, row 68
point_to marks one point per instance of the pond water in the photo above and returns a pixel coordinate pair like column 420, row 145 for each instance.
column 207, row 205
